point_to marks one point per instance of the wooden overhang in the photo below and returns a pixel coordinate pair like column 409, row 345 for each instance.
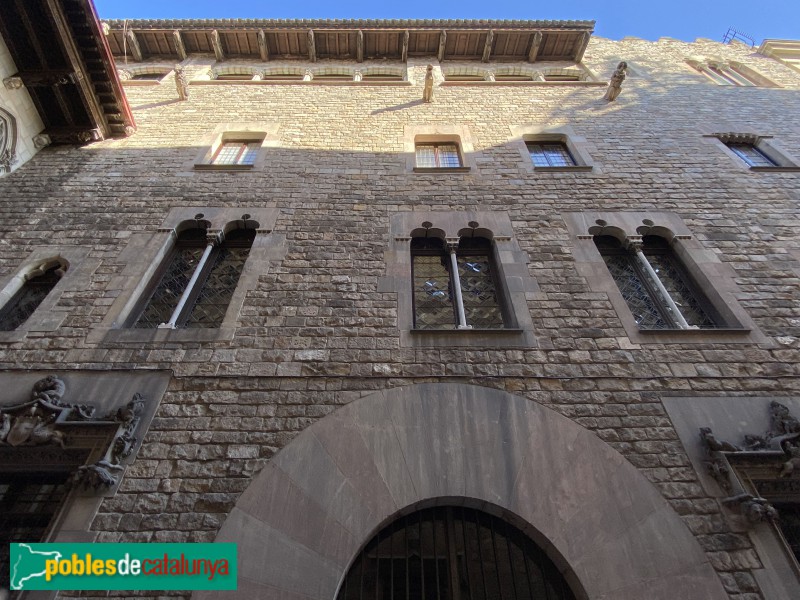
column 64, row 60
column 266, row 39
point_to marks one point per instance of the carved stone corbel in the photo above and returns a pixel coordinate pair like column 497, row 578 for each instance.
column 13, row 83
column 753, row 508
column 41, row 141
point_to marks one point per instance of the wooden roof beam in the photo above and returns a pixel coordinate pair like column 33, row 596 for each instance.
column 442, row 44
column 404, row 50
column 180, row 48
column 216, row 43
column 537, row 42
column 360, row 46
column 263, row 49
column 584, row 41
column 312, row 49
column 133, row 45
column 487, row 48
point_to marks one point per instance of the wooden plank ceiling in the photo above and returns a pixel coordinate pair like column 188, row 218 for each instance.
column 351, row 39
column 66, row 65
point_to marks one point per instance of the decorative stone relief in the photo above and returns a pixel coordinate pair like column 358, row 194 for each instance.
column 8, row 140
column 41, row 141
column 777, row 451
column 42, row 421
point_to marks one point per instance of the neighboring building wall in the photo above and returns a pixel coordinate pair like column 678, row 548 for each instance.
column 16, row 101
column 320, row 326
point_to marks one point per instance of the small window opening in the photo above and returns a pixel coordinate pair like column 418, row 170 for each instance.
column 236, row 152
column 438, row 156
column 550, row 154
column 32, row 293
column 750, row 154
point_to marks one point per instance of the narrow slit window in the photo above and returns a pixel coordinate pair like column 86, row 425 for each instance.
column 28, row 298
column 751, row 155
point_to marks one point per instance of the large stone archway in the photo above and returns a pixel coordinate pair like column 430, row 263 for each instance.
column 308, row 513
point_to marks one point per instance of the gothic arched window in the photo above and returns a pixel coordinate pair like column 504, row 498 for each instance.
column 655, row 285
column 197, row 281
column 453, row 553
column 455, row 288
column 29, row 296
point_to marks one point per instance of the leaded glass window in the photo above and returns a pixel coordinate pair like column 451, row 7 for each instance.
column 28, row 504
column 438, row 156
column 751, row 155
column 206, row 302
column 233, row 152
column 28, row 298
column 550, row 154
column 437, row 303
column 655, row 286
column 453, row 553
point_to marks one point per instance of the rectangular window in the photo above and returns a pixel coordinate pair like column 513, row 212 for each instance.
column 438, row 156
column 551, row 154
column 235, row 152
column 751, row 155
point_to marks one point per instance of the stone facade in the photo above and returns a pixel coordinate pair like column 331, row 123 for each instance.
column 319, row 325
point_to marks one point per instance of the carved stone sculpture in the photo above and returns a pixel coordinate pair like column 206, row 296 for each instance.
column 427, row 92
column 713, row 444
column 792, row 453
column 615, row 85
column 41, row 141
column 752, row 508
column 97, row 476
column 33, row 428
column 181, row 83
column 13, row 83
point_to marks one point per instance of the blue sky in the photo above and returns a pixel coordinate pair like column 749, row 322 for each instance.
column 682, row 19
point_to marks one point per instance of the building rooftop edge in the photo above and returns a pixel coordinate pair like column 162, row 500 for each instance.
column 350, row 23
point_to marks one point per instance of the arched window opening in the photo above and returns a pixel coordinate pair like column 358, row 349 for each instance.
column 655, row 285
column 455, row 287
column 30, row 295
column 198, row 281
column 453, row 553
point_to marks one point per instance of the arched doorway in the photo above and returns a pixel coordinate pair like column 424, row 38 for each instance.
column 306, row 516
column 451, row 553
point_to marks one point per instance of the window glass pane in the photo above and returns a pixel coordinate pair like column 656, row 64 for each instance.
column 751, row 155
column 28, row 299
column 637, row 296
column 148, row 76
column 550, row 155
column 448, row 156
column 173, row 282
column 426, row 156
column 478, row 291
column 236, row 153
column 433, row 304
column 676, row 285
column 216, row 292
column 789, row 524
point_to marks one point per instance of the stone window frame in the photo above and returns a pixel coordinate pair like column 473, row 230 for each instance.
column 784, row 161
column 577, row 145
column 128, row 72
column 233, row 69
column 708, row 273
column 48, row 316
column 426, row 134
column 265, row 133
column 537, row 73
column 515, row 283
column 729, row 73
column 145, row 255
